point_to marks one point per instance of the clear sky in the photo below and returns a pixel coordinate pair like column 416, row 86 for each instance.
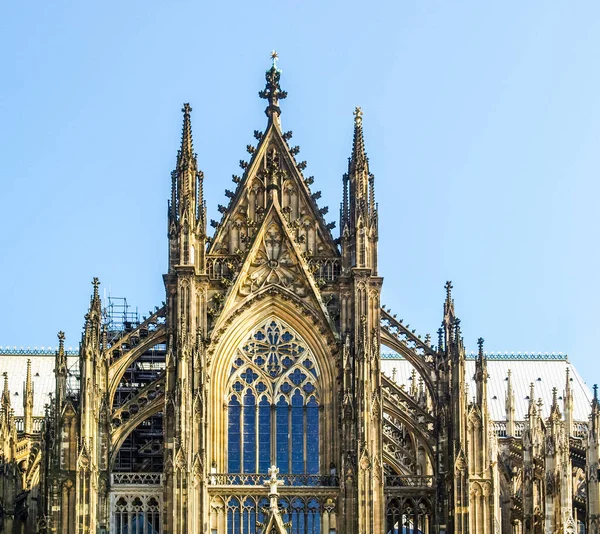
column 482, row 125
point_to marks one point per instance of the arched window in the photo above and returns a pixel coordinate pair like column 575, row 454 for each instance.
column 273, row 404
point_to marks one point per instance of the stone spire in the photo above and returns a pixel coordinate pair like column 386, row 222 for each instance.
column 187, row 208
column 568, row 404
column 510, row 406
column 481, row 376
column 592, row 465
column 6, row 395
column 358, row 213
column 272, row 92
column 60, row 373
column 28, row 401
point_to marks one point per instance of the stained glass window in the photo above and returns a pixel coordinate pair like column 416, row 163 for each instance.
column 273, row 403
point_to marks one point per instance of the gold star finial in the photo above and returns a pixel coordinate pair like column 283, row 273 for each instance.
column 274, row 57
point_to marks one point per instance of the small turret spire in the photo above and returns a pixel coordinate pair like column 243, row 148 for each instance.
column 272, row 91
column 6, row 394
column 359, row 212
column 187, row 209
column 568, row 404
column 510, row 406
column 60, row 373
column 28, row 401
column 481, row 375
column 186, row 152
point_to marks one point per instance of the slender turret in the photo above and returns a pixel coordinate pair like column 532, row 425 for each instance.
column 592, row 466
column 359, row 217
column 568, row 404
column 187, row 209
column 28, row 401
column 60, row 373
column 510, row 406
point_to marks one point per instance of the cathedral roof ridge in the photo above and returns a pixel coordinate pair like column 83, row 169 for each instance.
column 501, row 356
column 34, row 351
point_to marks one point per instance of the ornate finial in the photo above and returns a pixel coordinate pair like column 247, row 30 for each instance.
column 554, row 396
column 440, row 334
column 480, row 345
column 273, row 483
column 272, row 91
column 61, row 342
column 595, row 392
column 448, row 286
column 95, row 283
column 358, row 116
column 186, row 155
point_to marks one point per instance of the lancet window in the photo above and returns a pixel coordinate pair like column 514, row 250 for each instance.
column 137, row 514
column 273, row 403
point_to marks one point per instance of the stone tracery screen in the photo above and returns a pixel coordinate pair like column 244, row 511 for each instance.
column 273, row 403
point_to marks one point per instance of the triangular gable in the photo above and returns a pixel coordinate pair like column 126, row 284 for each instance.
column 275, row 259
column 250, row 200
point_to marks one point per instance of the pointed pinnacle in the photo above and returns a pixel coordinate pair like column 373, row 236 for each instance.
column 61, row 341
column 187, row 146
column 5, row 392
column 480, row 345
column 95, row 283
column 448, row 286
column 359, row 156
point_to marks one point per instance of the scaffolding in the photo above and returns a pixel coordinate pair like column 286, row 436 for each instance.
column 142, row 450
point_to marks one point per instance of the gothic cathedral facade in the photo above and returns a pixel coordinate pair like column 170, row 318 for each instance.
column 266, row 380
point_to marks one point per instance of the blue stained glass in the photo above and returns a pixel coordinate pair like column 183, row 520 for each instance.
column 249, row 376
column 287, row 337
column 233, row 456
column 249, row 432
column 312, row 437
column 308, row 387
column 285, row 387
column 282, row 435
column 297, row 377
column 264, row 435
column 297, row 433
column 259, row 335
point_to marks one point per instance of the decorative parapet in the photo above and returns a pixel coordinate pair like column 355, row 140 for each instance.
column 137, row 479
column 409, row 481
column 259, row 479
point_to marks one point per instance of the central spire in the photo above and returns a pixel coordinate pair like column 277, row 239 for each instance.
column 272, row 91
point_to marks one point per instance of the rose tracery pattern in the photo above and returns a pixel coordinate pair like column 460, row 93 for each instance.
column 274, row 349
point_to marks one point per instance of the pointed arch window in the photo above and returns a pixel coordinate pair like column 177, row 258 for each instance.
column 273, row 403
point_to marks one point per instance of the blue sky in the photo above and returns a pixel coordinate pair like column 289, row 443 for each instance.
column 482, row 126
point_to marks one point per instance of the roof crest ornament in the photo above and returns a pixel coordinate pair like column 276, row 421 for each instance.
column 272, row 91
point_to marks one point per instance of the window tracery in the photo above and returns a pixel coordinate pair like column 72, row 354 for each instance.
column 273, row 403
